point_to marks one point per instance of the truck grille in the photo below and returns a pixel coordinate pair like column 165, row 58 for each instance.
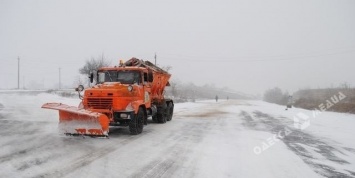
column 100, row 103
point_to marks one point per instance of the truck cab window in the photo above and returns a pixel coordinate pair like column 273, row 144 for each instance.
column 124, row 77
column 101, row 77
column 129, row 77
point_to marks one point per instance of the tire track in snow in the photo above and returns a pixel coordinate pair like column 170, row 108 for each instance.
column 21, row 153
column 296, row 140
column 176, row 155
column 24, row 143
column 89, row 157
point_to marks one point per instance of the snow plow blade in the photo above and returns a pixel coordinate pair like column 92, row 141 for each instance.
column 75, row 121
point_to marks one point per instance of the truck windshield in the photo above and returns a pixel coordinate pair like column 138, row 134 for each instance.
column 124, row 76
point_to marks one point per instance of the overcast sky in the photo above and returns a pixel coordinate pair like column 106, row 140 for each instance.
column 248, row 46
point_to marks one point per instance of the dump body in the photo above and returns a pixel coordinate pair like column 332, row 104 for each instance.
column 124, row 96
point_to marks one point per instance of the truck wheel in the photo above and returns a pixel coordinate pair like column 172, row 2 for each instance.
column 170, row 111
column 136, row 123
column 161, row 115
column 155, row 118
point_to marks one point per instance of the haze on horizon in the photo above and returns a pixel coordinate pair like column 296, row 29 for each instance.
column 248, row 46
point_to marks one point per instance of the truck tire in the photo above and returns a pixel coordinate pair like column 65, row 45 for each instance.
column 155, row 118
column 161, row 114
column 136, row 123
column 170, row 111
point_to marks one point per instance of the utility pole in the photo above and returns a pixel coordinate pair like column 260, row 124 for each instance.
column 59, row 78
column 155, row 58
column 18, row 72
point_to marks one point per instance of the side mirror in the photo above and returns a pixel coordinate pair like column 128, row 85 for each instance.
column 80, row 88
column 91, row 77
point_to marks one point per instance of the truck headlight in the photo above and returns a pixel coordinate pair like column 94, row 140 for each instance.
column 130, row 88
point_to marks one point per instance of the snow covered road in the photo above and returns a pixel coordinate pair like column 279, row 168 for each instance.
column 204, row 139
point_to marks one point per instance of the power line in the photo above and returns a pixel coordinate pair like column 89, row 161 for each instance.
column 204, row 58
column 349, row 49
column 245, row 59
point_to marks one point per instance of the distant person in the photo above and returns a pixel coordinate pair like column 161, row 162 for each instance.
column 289, row 102
column 227, row 98
column 216, row 98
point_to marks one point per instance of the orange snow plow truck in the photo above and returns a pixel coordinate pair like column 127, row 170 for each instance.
column 124, row 95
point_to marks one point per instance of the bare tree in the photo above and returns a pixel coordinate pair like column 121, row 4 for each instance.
column 344, row 85
column 94, row 64
column 174, row 84
column 276, row 95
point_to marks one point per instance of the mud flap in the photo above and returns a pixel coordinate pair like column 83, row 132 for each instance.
column 73, row 120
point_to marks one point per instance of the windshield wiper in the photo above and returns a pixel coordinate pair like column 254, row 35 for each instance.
column 109, row 75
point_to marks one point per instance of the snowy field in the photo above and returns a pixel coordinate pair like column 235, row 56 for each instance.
column 205, row 139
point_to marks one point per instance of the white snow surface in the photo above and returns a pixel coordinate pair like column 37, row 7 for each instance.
column 204, row 139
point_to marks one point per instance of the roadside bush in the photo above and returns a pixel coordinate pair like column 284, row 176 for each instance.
column 276, row 96
column 312, row 98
